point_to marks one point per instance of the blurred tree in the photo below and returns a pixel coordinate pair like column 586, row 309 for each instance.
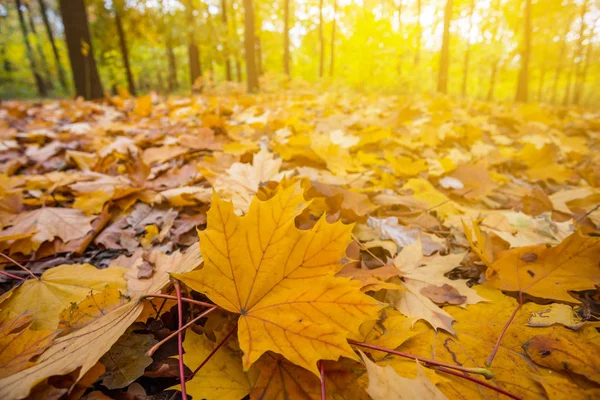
column 41, row 86
column 522, row 84
column 249, row 46
column 468, row 50
column 195, row 62
column 81, row 55
column 40, row 52
column 119, row 9
column 238, row 63
column 442, row 86
column 286, row 38
column 332, row 54
column 61, row 71
column 225, row 41
column 579, row 56
column 418, row 35
column 321, row 40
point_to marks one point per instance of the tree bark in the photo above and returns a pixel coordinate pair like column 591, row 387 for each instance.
column 332, row 53
column 567, row 95
column 40, row 52
column 467, row 52
column 249, row 35
column 442, row 86
column 522, row 94
column 286, row 38
column 118, row 9
column 541, row 83
column 580, row 55
column 225, row 43
column 560, row 65
column 41, row 86
column 321, row 41
column 418, row 35
column 81, row 54
column 61, row 71
column 193, row 50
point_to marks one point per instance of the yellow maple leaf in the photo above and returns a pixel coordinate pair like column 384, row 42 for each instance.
column 280, row 279
column 19, row 345
column 56, row 289
column 549, row 272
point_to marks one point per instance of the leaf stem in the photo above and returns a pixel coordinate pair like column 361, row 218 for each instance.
column 180, row 340
column 481, row 371
column 11, row 275
column 490, row 358
column 323, row 390
column 18, row 264
column 184, row 327
column 212, row 353
column 184, row 299
column 479, row 382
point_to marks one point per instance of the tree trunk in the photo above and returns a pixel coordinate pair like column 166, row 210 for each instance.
column 118, row 9
column 81, row 54
column 332, row 53
column 238, row 63
column 401, row 50
column 249, row 35
column 467, row 52
column 259, row 58
column 40, row 52
column 540, row 90
column 490, row 95
column 522, row 85
column 225, row 44
column 321, row 40
column 41, row 86
column 586, row 66
column 442, row 86
column 567, row 95
column 286, row 38
column 61, row 71
column 580, row 55
column 418, row 35
column 559, row 67
column 193, row 51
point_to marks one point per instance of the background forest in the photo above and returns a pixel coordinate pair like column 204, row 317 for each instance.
column 529, row 50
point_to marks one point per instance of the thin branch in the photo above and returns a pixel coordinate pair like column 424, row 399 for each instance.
column 479, row 382
column 11, row 275
column 587, row 213
column 180, row 340
column 24, row 268
column 481, row 371
column 184, row 327
column 490, row 359
column 323, row 390
column 212, row 353
column 365, row 248
column 184, row 299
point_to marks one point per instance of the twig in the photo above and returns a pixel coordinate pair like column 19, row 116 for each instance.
column 365, row 248
column 18, row 264
column 180, row 340
column 479, row 382
column 212, row 353
column 490, row 358
column 184, row 299
column 587, row 213
column 323, row 390
column 481, row 371
column 184, row 327
column 11, row 275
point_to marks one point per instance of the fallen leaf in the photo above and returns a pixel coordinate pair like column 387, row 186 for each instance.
column 548, row 272
column 278, row 313
column 385, row 384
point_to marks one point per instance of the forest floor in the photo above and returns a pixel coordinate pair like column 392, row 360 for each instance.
column 466, row 234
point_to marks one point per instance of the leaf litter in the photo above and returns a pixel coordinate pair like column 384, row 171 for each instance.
column 230, row 246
